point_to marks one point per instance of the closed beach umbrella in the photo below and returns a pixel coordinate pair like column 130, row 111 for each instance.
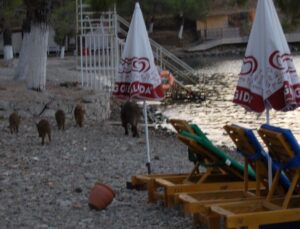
column 138, row 77
column 268, row 78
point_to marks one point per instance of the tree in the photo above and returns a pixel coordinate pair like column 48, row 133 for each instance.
column 21, row 69
column 103, row 5
column 100, row 5
column 188, row 9
column 33, row 59
column 63, row 21
column 238, row 2
column 124, row 7
column 291, row 11
column 8, row 11
column 152, row 8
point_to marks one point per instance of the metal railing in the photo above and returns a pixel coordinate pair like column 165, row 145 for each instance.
column 98, row 50
column 89, row 65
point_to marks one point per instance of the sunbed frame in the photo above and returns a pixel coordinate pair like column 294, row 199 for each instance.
column 198, row 204
column 217, row 176
column 270, row 210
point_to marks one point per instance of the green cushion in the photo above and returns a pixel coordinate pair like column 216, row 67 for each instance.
column 201, row 139
column 198, row 131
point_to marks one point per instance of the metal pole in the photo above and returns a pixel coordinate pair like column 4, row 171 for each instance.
column 147, row 138
column 76, row 5
column 267, row 108
column 270, row 175
column 116, row 50
column 81, row 41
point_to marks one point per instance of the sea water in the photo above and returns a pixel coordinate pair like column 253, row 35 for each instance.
column 218, row 109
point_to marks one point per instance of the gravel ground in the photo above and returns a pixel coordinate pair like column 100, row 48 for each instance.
column 48, row 186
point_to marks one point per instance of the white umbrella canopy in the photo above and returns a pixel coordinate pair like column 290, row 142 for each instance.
column 268, row 78
column 138, row 77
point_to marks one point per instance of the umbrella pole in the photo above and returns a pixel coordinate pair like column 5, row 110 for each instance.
column 147, row 138
column 268, row 116
column 270, row 177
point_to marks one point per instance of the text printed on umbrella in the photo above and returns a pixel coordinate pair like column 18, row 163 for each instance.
column 145, row 90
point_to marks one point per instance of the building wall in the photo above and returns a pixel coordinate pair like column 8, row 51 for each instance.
column 213, row 22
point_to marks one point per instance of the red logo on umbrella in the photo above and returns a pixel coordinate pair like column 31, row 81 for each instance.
column 278, row 61
column 135, row 64
column 249, row 65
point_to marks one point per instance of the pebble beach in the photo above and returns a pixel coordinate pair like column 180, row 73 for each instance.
column 47, row 186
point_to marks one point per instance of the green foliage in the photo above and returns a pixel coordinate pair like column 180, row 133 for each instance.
column 191, row 9
column 239, row 2
column 103, row 5
column 39, row 11
column 155, row 7
column 125, row 8
column 10, row 13
column 150, row 8
column 63, row 21
column 291, row 12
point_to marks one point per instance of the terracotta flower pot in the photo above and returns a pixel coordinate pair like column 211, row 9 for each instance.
column 101, row 195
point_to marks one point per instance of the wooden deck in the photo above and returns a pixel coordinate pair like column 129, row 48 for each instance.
column 290, row 37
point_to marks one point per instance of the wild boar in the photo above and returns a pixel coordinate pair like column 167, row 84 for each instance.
column 79, row 113
column 130, row 114
column 14, row 122
column 44, row 129
column 60, row 119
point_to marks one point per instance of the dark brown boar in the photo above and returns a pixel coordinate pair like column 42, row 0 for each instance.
column 44, row 129
column 130, row 114
column 79, row 115
column 14, row 122
column 60, row 119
